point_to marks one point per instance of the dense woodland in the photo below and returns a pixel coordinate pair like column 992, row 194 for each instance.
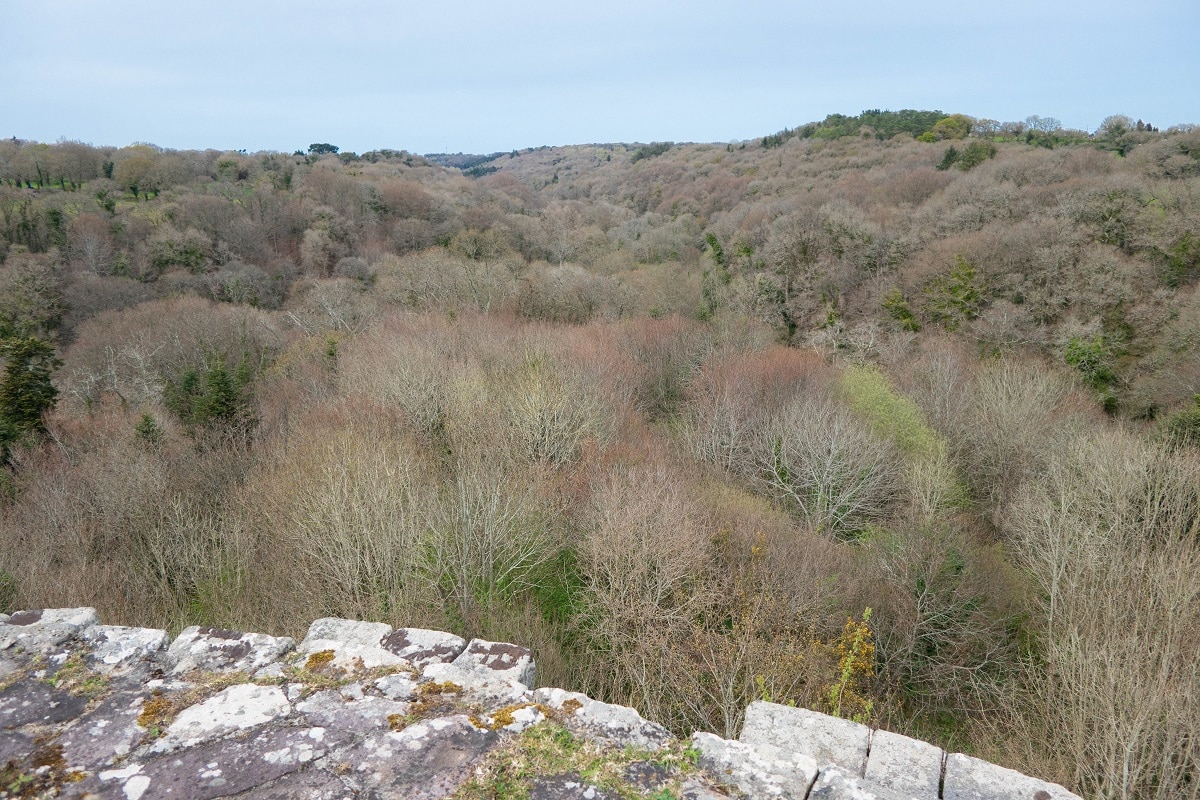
column 893, row 416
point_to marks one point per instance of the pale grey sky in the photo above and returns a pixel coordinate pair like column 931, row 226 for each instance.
column 474, row 76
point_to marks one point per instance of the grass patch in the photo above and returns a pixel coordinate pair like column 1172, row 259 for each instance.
column 890, row 414
column 549, row 749
column 78, row 680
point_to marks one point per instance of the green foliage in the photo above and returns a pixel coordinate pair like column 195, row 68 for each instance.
column 188, row 250
column 885, row 124
column 713, row 281
column 31, row 300
column 322, row 148
column 898, row 309
column 651, row 150
column 970, row 156
column 149, row 431
column 1092, row 357
column 956, row 297
column 1181, row 261
column 777, row 139
column 557, row 587
column 849, row 696
column 955, row 126
column 949, row 159
column 26, row 390
column 975, row 154
column 1182, row 429
column 714, row 246
column 890, row 414
column 213, row 396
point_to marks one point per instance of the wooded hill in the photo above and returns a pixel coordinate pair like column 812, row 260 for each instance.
column 894, row 423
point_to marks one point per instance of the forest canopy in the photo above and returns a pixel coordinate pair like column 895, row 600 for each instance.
column 894, row 416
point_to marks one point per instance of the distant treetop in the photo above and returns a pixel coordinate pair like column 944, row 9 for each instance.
column 322, row 149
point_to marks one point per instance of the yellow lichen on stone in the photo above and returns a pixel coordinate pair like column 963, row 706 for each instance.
column 319, row 660
column 156, row 711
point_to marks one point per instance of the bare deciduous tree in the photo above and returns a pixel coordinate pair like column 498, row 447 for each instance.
column 827, row 466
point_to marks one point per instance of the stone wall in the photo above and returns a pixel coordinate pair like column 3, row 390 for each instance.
column 359, row 709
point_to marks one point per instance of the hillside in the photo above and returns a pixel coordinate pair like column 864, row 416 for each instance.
column 898, row 428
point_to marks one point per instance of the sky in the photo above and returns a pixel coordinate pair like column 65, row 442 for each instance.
column 483, row 77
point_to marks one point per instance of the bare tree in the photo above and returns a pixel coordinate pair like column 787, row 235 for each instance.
column 827, row 466
column 1111, row 538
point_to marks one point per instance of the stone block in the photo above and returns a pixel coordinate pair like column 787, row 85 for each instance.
column 567, row 787
column 827, row 740
column 906, row 765
column 761, row 774
column 221, row 650
column 619, row 725
column 428, row 760
column 44, row 630
column 837, row 784
column 396, row 687
column 479, row 686
column 235, row 709
column 330, row 709
column 31, row 701
column 105, row 733
column 115, row 648
column 76, row 617
column 970, row 778
column 499, row 660
column 352, row 642
column 423, row 647
column 219, row 769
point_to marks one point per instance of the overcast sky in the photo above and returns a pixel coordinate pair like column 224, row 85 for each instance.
column 482, row 77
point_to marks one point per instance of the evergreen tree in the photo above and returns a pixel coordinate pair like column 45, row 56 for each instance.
column 26, row 391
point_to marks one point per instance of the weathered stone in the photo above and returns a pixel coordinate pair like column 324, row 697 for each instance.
column 396, row 687
column 646, row 775
column 353, row 644
column 31, row 701
column 566, row 787
column 906, row 765
column 515, row 720
column 237, row 708
column 499, row 660
column 12, row 662
column 14, row 745
column 311, row 784
column 115, row 648
column 766, row 773
column 837, row 784
column 970, row 778
column 480, row 685
column 423, row 647
column 107, row 732
column 619, row 725
column 424, row 761
column 272, row 742
column 329, row 709
column 221, row 650
column 694, row 790
column 76, row 617
column 218, row 769
column 44, row 630
column 826, row 740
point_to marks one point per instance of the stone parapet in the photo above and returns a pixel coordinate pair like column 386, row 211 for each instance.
column 361, row 709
